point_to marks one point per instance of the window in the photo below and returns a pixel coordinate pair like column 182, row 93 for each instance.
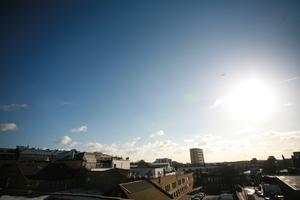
column 173, row 185
column 167, row 188
column 179, row 182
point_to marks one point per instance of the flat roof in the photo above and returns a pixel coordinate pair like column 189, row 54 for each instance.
column 136, row 186
column 292, row 181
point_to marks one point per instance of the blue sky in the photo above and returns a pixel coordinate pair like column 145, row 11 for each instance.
column 149, row 79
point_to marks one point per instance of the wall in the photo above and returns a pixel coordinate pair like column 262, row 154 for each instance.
column 175, row 185
column 152, row 172
column 121, row 164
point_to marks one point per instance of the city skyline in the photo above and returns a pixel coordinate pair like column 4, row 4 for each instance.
column 147, row 80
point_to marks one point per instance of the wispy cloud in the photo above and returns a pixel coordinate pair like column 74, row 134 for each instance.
column 157, row 134
column 288, row 104
column 133, row 142
column 291, row 79
column 13, row 107
column 217, row 103
column 112, row 149
column 65, row 103
column 8, row 127
column 81, row 129
column 188, row 140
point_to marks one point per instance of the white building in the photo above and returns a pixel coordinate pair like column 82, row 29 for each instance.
column 147, row 172
column 106, row 162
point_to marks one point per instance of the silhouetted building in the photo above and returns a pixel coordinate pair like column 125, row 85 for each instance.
column 296, row 159
column 163, row 160
column 289, row 185
column 270, row 166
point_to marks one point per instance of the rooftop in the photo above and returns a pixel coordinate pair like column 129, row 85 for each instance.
column 143, row 190
column 292, row 181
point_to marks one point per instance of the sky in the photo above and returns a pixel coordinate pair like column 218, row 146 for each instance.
column 151, row 79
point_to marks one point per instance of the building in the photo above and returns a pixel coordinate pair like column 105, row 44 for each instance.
column 46, row 154
column 163, row 160
column 88, row 160
column 106, row 162
column 146, row 172
column 143, row 169
column 164, row 163
column 8, row 156
column 143, row 190
column 32, row 160
column 176, row 185
column 105, row 181
column 197, row 157
column 289, row 185
column 296, row 159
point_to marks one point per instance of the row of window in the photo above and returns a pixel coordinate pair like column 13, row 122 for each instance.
column 174, row 184
column 179, row 192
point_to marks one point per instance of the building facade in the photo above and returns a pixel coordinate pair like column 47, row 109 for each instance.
column 296, row 159
column 197, row 156
column 176, row 185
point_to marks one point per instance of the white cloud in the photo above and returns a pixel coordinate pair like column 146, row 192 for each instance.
column 95, row 145
column 246, row 130
column 8, row 127
column 66, row 140
column 157, row 134
column 291, row 79
column 112, row 149
column 73, row 144
column 188, row 140
column 239, row 145
column 133, row 142
column 252, row 143
column 13, row 107
column 288, row 104
column 217, row 103
column 81, row 129
column 148, row 151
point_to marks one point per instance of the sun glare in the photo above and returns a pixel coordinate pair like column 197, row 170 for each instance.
column 252, row 100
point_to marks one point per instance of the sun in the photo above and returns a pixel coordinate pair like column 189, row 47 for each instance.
column 252, row 100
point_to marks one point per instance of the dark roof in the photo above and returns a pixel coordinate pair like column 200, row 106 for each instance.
column 291, row 181
column 137, row 186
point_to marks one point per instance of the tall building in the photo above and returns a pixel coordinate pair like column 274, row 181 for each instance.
column 197, row 156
